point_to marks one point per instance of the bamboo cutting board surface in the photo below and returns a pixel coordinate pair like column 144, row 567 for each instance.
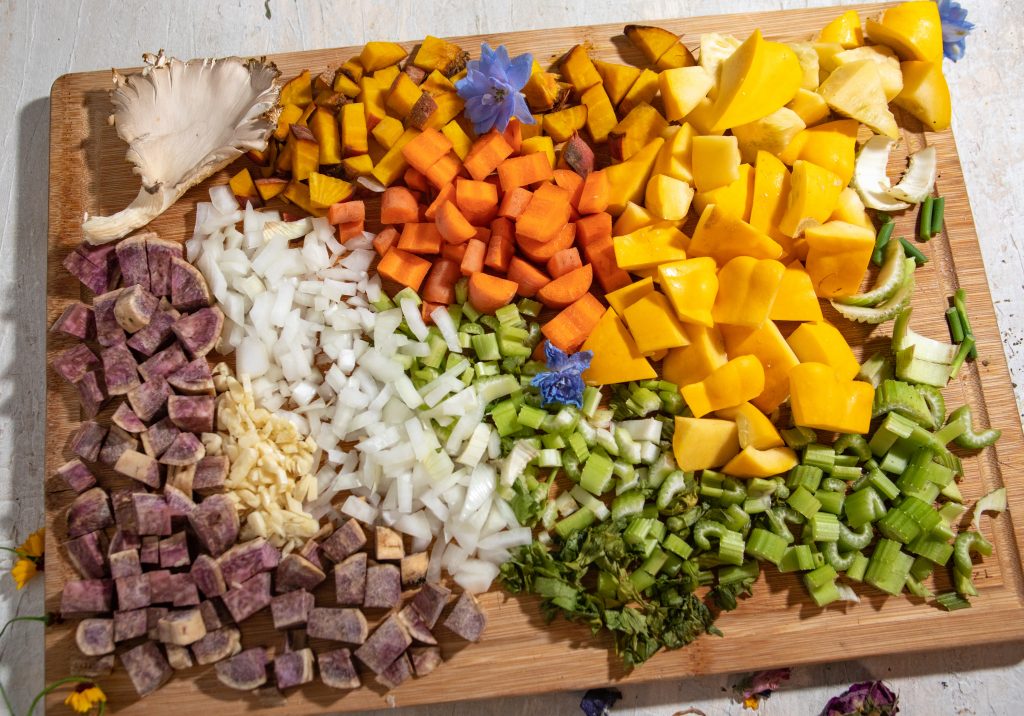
column 521, row 654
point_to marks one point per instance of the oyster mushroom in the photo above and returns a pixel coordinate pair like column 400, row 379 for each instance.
column 183, row 121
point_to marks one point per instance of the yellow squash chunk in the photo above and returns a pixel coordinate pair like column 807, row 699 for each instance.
column 404, row 93
column 832, row 146
column 387, row 132
column 675, row 157
column 668, row 198
column 813, row 195
column 636, row 130
column 736, row 382
column 807, row 56
column 378, row 55
column 811, row 107
column 823, row 343
column 633, row 217
column 290, row 114
column 617, row 79
column 691, row 286
column 543, row 90
column 886, row 62
column 297, row 91
column 724, row 237
column 716, row 162
column 653, row 324
column 913, row 29
column 702, row 119
column 324, row 126
column 822, row 400
column 752, row 462
column 746, row 291
column 925, row 94
column 623, row 298
column 696, row 361
column 796, row 300
column 837, row 257
column 628, row 180
column 616, row 357
column 827, row 52
column 360, row 165
column 648, row 247
column 642, row 92
column 305, row 152
column 754, row 428
column 392, row 165
column 678, row 55
column 851, row 209
column 772, row 133
column 326, row 190
column 702, row 443
column 757, row 79
column 601, row 117
column 845, row 30
column 715, row 48
column 653, row 42
column 767, row 344
column 681, row 90
column 461, row 143
column 539, row 144
column 735, row 198
column 372, row 98
column 353, row 129
column 561, row 124
column 579, row 70
column 855, row 90
column 441, row 56
column 771, row 189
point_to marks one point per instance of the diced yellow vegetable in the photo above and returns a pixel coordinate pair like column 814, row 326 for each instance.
column 448, row 106
column 753, row 427
column 628, row 180
column 772, row 133
column 885, row 60
column 372, row 96
column 387, row 132
column 298, row 193
column 811, row 107
column 543, row 90
column 653, row 324
column 746, row 291
column 653, row 42
column 832, row 146
column 601, row 117
column 290, row 114
column 626, row 296
column 392, row 165
column 822, row 342
column 243, row 186
column 678, row 55
column 691, row 286
column 845, row 30
column 716, row 162
column 579, row 70
column 539, row 144
column 386, row 76
column 723, row 237
column 674, row 159
column 297, row 91
column 440, row 56
column 325, row 190
column 851, row 209
column 353, row 69
column 837, row 257
column 808, row 59
column 735, row 198
column 561, row 124
column 461, row 143
column 633, row 217
column 635, row 131
column 827, row 52
column 767, row 344
column 617, row 79
column 813, row 194
column 702, row 119
column 796, row 299
column 696, row 361
column 771, row 189
column 925, row 94
column 649, row 246
column 535, row 129
column 668, row 198
column 681, row 90
column 324, row 126
column 702, row 443
column 913, row 29
column 358, row 166
column 616, row 356
column 305, row 152
column 822, row 400
column 736, row 382
column 270, row 187
column 715, row 48
column 752, row 462
column 404, row 93
column 855, row 90
column 643, row 91
column 378, row 55
column 353, row 129
column 436, row 83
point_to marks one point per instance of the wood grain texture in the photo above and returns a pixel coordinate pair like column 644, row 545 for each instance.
column 775, row 628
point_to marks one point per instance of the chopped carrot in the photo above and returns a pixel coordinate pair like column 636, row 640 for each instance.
column 452, row 225
column 473, row 260
column 499, row 252
column 415, row 180
column 387, row 238
column 571, row 327
column 529, row 277
column 571, row 182
column 444, row 170
column 489, row 293
column 440, row 284
column 487, row 153
column 425, row 149
column 454, row 252
column 483, row 233
column 513, row 134
column 420, row 238
column 427, row 308
column 546, row 214
column 345, row 212
column 541, row 251
column 503, row 227
column 514, row 203
column 601, row 255
column 398, row 206
column 594, row 227
column 594, row 195
column 564, row 261
column 567, row 288
column 404, row 268
column 349, row 230
column 445, row 193
column 523, row 171
column 477, row 200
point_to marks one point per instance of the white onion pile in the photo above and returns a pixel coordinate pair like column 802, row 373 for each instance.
column 301, row 323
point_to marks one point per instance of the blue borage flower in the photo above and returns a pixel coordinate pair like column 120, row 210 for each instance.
column 955, row 29
column 864, row 698
column 599, row 702
column 562, row 383
column 491, row 89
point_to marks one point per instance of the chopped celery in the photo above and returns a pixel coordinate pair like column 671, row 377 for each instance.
column 888, row 567
column 578, row 520
column 824, row 527
column 806, row 476
column 820, row 456
column 803, row 502
column 797, row 558
column 766, row 545
column 628, row 504
column 951, row 601
column 653, row 564
column 831, row 502
column 937, row 551
column 857, row 567
column 893, row 427
column 578, row 445
column 503, row 415
column 591, row 400
column 549, row 457
column 799, row 437
column 875, row 369
column 678, row 546
column 486, row 347
column 596, row 476
column 553, row 441
column 509, row 315
column 528, row 307
column 531, row 417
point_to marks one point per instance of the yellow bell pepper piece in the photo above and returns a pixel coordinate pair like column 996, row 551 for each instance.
column 851, row 209
column 701, row 118
column 832, row 146
column 823, row 343
column 699, row 444
column 623, row 298
column 653, row 324
column 752, row 462
column 691, row 286
column 696, row 361
column 913, row 29
column 753, row 427
column 746, row 291
column 668, row 198
column 736, row 382
column 811, row 107
column 771, row 189
column 823, row 400
column 777, row 358
column 796, row 299
column 649, row 246
column 735, row 198
column 676, row 156
column 616, row 356
column 628, row 180
column 808, row 58
column 756, row 79
column 813, row 195
column 724, row 237
column 837, row 257
column 716, row 161
column 925, row 94
column 845, row 30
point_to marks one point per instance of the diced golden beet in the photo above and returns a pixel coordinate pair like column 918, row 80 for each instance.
column 243, row 186
column 682, row 89
column 642, row 91
column 270, row 187
column 378, row 55
column 357, row 166
column 628, row 180
column 326, row 190
column 461, row 143
column 290, row 114
column 678, row 55
column 675, row 157
column 387, row 132
column 324, row 126
column 372, row 96
column 633, row 217
column 539, row 144
column 636, row 130
column 298, row 90
column 435, row 111
column 701, row 443
column 353, row 69
column 437, row 83
column 353, row 129
column 402, row 95
column 560, row 125
column 653, row 42
column 307, row 112
column 423, row 111
column 617, row 79
column 440, row 55
column 298, row 193
column 600, row 113
column 543, row 90
column 392, row 165
column 305, row 152
column 579, row 70
column 716, row 162
column 345, row 84
column 702, row 118
column 331, row 101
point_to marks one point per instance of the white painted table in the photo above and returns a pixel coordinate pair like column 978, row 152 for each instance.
column 40, row 40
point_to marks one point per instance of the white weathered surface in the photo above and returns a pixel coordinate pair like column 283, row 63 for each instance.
column 40, row 40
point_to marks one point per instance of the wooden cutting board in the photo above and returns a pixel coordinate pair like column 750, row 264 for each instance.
column 521, row 654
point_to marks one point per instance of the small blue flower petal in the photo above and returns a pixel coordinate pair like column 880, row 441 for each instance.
column 562, row 382
column 491, row 89
column 519, row 71
column 955, row 29
column 598, row 702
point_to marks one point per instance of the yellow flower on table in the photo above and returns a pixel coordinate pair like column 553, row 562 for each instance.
column 23, row 571
column 30, row 558
column 85, row 696
column 35, row 545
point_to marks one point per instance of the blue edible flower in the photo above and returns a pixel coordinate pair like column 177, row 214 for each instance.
column 955, row 29
column 867, row 698
column 491, row 89
column 562, row 382
column 598, row 702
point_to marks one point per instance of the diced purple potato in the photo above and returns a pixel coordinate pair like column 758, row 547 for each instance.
column 386, row 644
column 425, row 659
column 179, row 657
column 93, row 277
column 347, row 625
column 193, row 413
column 291, row 609
column 347, row 539
column 293, row 668
column 188, row 287
column 125, row 563
column 87, row 441
column 149, row 399
column 151, row 514
column 99, row 254
column 95, row 637
column 77, row 321
column 117, row 443
column 199, row 331
column 174, row 551
column 337, row 670
column 78, row 477
column 207, row 576
column 414, row 569
column 310, row 550
column 160, row 252
column 414, row 624
column 153, row 337
column 153, row 617
column 181, row 478
column 149, row 552
column 89, row 512
column 248, row 598
column 396, row 673
column 383, row 587
column 193, row 378
column 108, row 331
column 130, row 624
column 180, row 504
column 124, row 511
column 92, row 393
column 295, row 639
column 210, row 474
column 136, row 591
column 163, row 363
column 245, row 560
column 126, row 419
column 430, row 601
column 215, row 522
column 217, row 645
column 120, row 371
column 134, row 308
column 296, row 572
column 162, row 586
column 94, row 667
column 181, row 627
column 244, row 671
column 139, row 466
column 159, row 437
column 211, row 615
column 467, row 619
column 83, row 597
column 73, row 364
column 147, row 668
column 185, row 592
column 85, row 553
column 185, row 449
column 132, row 258
column 122, row 541
column 350, row 580
column 387, row 544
